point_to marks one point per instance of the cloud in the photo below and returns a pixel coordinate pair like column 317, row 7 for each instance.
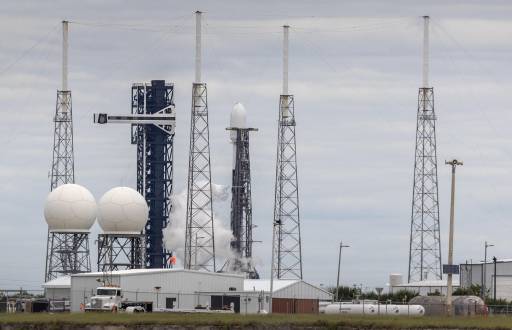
column 174, row 234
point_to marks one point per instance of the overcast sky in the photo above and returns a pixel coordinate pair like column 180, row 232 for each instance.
column 355, row 69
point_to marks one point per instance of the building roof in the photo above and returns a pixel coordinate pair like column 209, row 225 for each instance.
column 63, row 282
column 428, row 283
column 489, row 261
column 129, row 272
column 264, row 285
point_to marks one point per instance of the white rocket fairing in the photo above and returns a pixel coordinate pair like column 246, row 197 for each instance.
column 237, row 120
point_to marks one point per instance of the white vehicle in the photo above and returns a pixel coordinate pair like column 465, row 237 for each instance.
column 106, row 299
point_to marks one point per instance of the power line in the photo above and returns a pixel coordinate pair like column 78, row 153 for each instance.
column 28, row 50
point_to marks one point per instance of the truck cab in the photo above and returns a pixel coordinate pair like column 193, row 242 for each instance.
column 107, row 298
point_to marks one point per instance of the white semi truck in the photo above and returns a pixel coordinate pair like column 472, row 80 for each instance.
column 110, row 299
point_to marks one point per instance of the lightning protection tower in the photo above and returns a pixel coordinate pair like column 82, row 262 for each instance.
column 199, row 236
column 286, row 254
column 425, row 242
column 152, row 120
column 66, row 252
column 241, row 203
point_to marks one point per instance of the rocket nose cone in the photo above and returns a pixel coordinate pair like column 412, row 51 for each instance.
column 238, row 116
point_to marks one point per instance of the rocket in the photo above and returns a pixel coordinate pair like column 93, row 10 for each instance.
column 237, row 120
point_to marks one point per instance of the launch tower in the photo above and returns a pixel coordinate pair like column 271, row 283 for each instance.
column 241, row 203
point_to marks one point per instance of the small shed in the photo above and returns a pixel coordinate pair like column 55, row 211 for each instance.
column 290, row 296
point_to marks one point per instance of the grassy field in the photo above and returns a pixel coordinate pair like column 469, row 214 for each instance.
column 327, row 321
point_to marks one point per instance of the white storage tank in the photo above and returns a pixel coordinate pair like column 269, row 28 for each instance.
column 395, row 279
column 359, row 309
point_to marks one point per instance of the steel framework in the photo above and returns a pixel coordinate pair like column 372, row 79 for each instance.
column 287, row 242
column 63, row 164
column 154, row 165
column 425, row 242
column 118, row 252
column 241, row 207
column 199, row 238
column 68, row 254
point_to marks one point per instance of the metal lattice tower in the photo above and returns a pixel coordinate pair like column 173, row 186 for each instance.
column 118, row 252
column 241, row 206
column 287, row 254
column 153, row 120
column 199, row 236
column 66, row 252
column 154, row 165
column 425, row 242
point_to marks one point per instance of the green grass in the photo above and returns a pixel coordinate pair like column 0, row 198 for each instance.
column 328, row 321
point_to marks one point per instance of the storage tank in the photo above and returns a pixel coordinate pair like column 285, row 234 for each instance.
column 359, row 309
column 70, row 208
column 462, row 305
column 469, row 305
column 434, row 305
column 122, row 210
column 413, row 310
column 395, row 279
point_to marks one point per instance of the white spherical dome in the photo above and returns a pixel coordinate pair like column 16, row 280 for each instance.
column 122, row 210
column 70, row 208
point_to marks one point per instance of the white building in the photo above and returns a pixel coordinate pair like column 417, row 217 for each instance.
column 166, row 288
column 186, row 289
column 58, row 288
column 425, row 288
column 480, row 273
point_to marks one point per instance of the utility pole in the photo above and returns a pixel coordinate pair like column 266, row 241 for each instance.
column 484, row 270
column 495, row 260
column 339, row 263
column 453, row 163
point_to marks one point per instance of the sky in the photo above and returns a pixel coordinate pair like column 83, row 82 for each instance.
column 355, row 70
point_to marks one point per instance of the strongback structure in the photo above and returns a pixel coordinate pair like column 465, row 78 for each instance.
column 199, row 236
column 287, row 254
column 425, row 242
column 66, row 252
column 120, row 251
column 241, row 205
column 153, row 120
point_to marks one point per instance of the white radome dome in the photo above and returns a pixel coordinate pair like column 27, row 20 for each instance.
column 70, row 208
column 122, row 210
